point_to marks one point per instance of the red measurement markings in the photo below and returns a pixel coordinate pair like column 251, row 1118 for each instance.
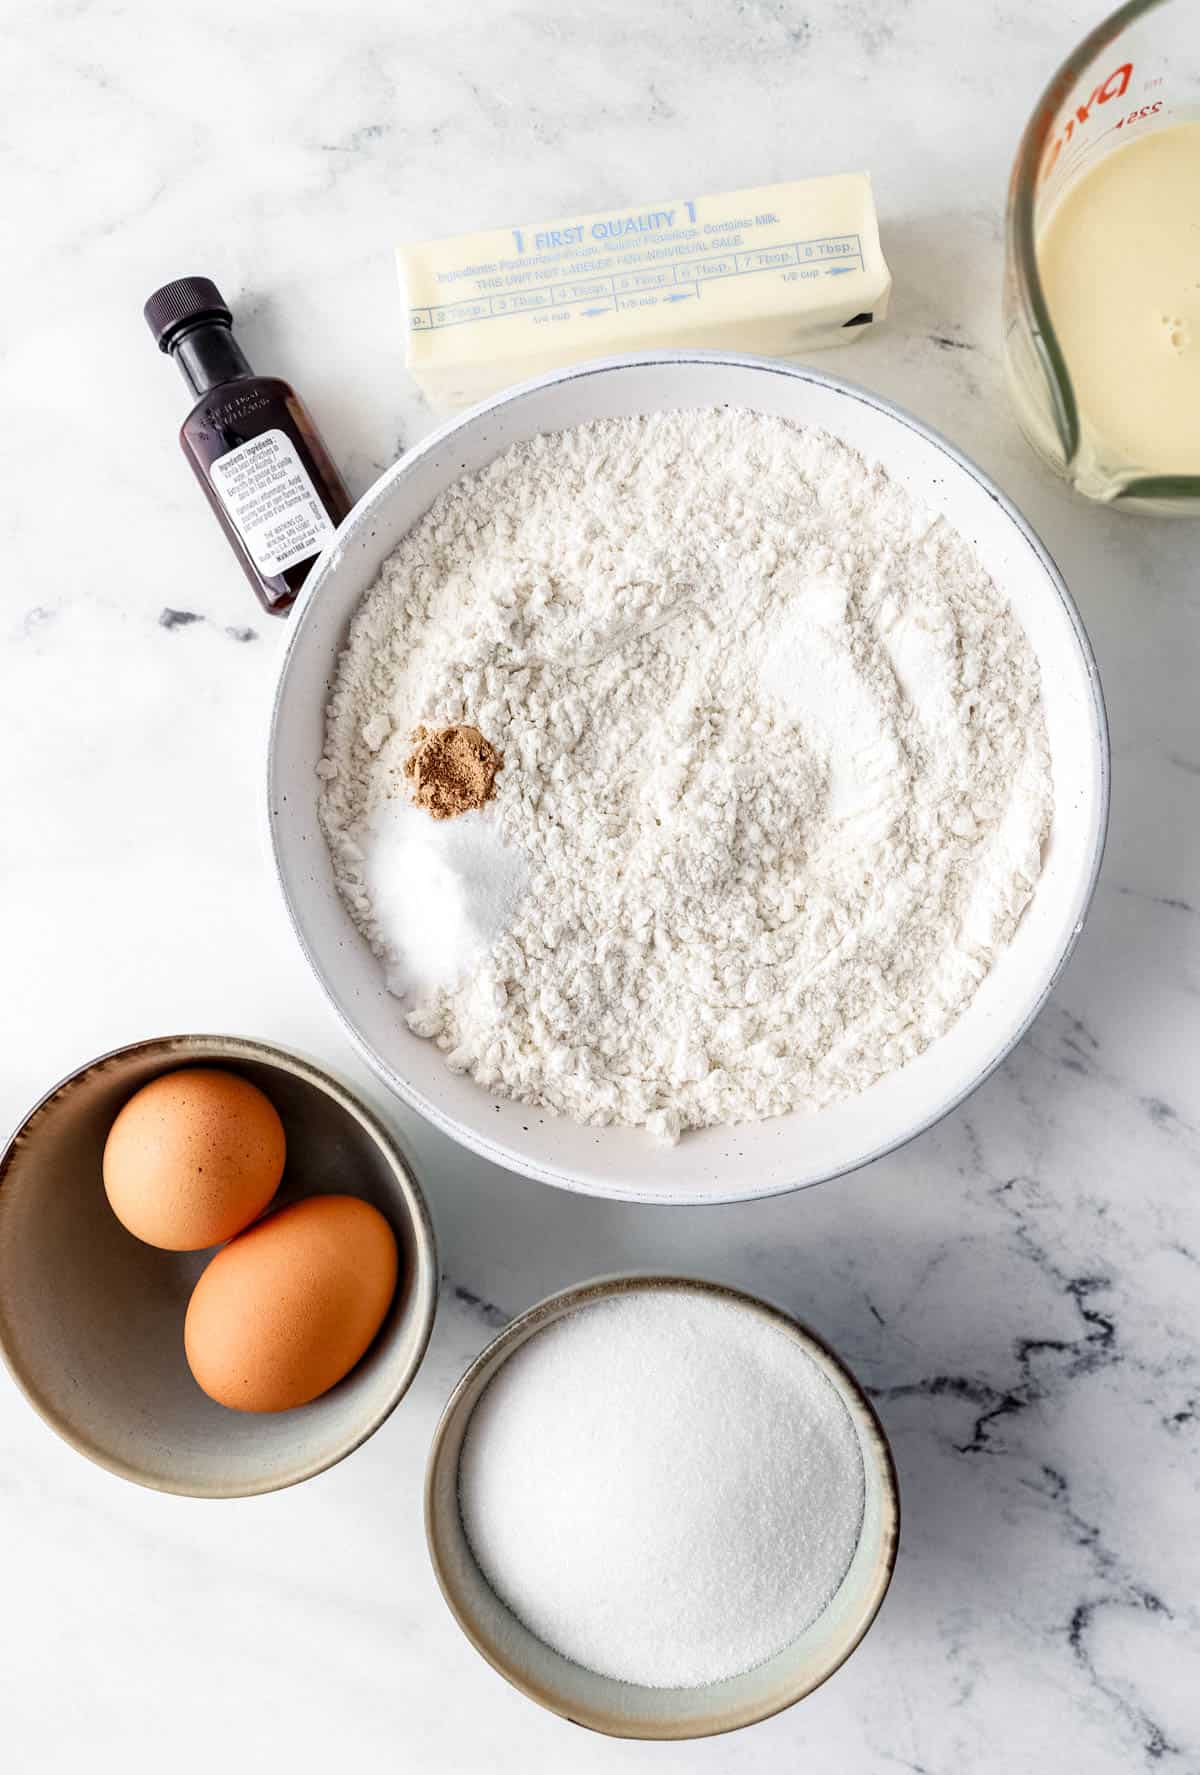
column 1115, row 87
column 1136, row 116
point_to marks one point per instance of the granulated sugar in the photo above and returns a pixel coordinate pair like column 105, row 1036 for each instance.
column 663, row 1487
column 445, row 889
column 775, row 768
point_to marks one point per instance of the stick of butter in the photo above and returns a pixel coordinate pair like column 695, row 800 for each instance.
column 780, row 271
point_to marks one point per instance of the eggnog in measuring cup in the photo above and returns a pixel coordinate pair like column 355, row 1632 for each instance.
column 1119, row 258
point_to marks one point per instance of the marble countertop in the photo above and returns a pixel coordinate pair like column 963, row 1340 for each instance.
column 1018, row 1287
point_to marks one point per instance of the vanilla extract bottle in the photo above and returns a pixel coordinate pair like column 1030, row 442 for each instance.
column 251, row 443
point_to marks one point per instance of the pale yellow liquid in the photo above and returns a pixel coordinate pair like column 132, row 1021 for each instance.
column 1120, row 263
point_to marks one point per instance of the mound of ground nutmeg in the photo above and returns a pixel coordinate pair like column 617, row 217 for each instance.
column 452, row 770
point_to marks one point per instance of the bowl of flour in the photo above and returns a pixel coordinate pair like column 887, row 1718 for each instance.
column 688, row 776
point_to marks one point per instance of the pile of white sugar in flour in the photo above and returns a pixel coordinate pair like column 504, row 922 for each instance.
column 775, row 778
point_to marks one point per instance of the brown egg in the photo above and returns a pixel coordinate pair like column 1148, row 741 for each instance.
column 192, row 1158
column 286, row 1309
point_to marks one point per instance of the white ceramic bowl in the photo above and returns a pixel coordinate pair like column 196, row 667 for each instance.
column 627, row 1710
column 757, row 1158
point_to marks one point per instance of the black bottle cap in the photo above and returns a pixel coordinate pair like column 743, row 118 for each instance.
column 181, row 304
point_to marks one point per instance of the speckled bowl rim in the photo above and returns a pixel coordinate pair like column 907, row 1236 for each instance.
column 213, row 1047
column 558, row 1306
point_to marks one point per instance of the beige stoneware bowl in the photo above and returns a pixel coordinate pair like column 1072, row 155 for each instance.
column 91, row 1319
column 627, row 1710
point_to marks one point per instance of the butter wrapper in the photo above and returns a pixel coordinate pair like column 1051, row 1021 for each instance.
column 781, row 271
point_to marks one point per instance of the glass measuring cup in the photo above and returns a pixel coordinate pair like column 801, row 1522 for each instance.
column 1137, row 72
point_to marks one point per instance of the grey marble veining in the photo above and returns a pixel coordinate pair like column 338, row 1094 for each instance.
column 1018, row 1288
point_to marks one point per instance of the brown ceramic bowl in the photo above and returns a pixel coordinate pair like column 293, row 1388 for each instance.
column 627, row 1710
column 91, row 1319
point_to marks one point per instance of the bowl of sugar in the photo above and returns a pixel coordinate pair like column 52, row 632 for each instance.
column 661, row 1508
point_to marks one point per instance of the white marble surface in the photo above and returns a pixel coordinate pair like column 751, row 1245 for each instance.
column 1018, row 1288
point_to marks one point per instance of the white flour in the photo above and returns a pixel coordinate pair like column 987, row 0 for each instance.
column 775, row 784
